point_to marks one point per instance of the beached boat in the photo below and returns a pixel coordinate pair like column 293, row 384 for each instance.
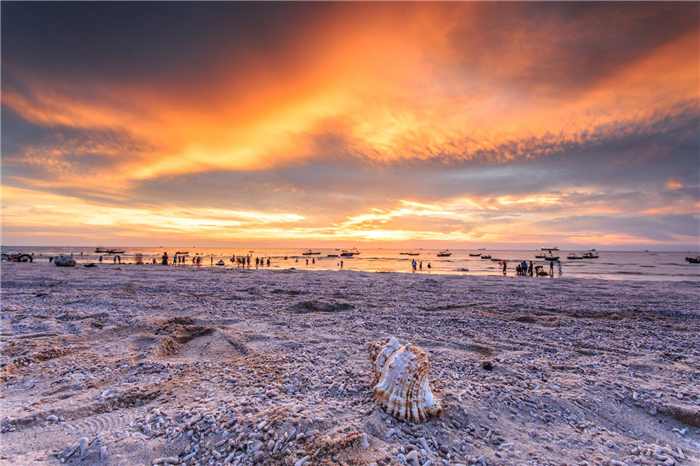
column 309, row 252
column 445, row 253
column 551, row 258
column 486, row 257
column 693, row 260
column 220, row 263
column 475, row 255
column 590, row 255
column 574, row 256
column 549, row 248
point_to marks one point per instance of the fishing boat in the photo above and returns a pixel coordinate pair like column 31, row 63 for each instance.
column 349, row 253
column 549, row 248
column 486, row 256
column 574, row 256
column 332, row 255
column 220, row 263
column 102, row 250
column 551, row 258
column 445, row 253
column 693, row 260
column 590, row 255
column 182, row 253
column 474, row 255
column 540, row 256
column 309, row 252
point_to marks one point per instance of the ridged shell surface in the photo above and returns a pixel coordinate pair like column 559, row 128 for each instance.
column 401, row 381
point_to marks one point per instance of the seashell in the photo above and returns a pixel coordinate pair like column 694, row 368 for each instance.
column 401, row 381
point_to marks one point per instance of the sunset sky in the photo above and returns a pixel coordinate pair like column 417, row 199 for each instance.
column 426, row 124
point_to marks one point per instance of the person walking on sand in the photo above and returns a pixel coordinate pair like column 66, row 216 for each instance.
column 429, row 267
column 313, row 260
column 268, row 261
column 164, row 259
column 100, row 259
column 413, row 264
column 551, row 268
column 420, row 266
column 529, row 270
column 505, row 267
column 523, row 267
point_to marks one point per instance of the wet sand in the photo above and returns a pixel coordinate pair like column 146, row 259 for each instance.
column 130, row 365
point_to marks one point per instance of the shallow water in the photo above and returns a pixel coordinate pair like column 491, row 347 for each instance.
column 612, row 265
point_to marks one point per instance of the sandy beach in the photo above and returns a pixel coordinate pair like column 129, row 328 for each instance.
column 140, row 365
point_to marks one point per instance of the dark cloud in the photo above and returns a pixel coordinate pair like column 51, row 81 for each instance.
column 565, row 47
column 138, row 40
column 32, row 151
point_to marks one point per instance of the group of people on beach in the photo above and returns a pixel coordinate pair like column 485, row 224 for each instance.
column 525, row 269
column 420, row 265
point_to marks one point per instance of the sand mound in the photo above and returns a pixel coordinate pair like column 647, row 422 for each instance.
column 304, row 307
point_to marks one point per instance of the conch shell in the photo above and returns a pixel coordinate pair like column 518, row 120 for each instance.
column 401, row 381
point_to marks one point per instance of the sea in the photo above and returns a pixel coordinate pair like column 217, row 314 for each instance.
column 610, row 265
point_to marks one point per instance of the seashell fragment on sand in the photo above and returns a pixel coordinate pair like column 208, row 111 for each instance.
column 401, row 381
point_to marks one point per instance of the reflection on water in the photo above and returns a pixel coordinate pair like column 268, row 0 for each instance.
column 611, row 265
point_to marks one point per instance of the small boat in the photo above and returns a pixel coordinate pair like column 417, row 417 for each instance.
column 409, row 253
column 497, row 260
column 590, row 255
column 486, row 257
column 349, row 253
column 445, row 253
column 474, row 255
column 332, row 255
column 693, row 260
column 551, row 258
column 309, row 252
column 540, row 256
column 182, row 253
column 220, row 263
column 481, row 249
column 574, row 256
column 546, row 248
column 101, row 250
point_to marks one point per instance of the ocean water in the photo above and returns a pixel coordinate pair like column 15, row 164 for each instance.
column 611, row 265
